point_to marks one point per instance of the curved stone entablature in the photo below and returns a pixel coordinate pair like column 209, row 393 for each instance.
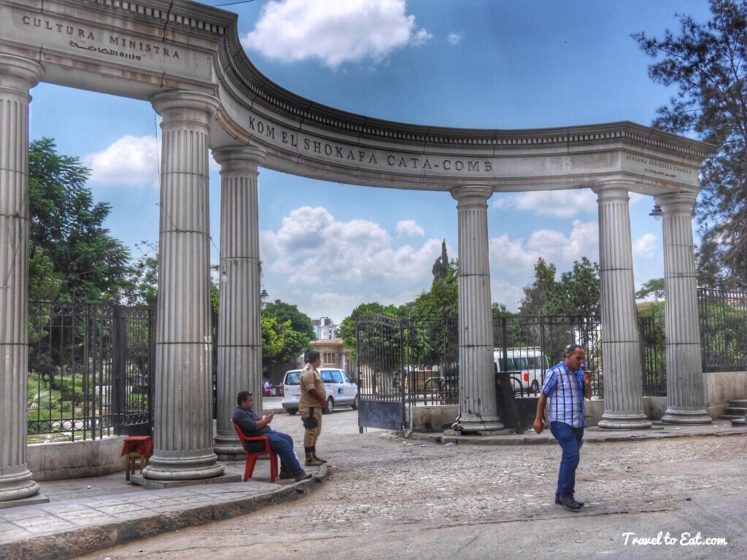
column 306, row 138
column 139, row 48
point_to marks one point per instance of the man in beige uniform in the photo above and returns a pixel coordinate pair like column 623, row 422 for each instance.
column 313, row 399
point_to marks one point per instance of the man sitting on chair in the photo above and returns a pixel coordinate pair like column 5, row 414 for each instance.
column 282, row 444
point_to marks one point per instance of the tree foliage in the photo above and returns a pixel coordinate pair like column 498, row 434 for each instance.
column 67, row 225
column 286, row 333
column 706, row 62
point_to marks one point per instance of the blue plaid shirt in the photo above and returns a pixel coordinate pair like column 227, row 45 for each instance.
column 565, row 395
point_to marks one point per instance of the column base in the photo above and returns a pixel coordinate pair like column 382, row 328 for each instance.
column 228, row 448
column 183, row 468
column 17, row 486
column 686, row 416
column 479, row 426
column 624, row 421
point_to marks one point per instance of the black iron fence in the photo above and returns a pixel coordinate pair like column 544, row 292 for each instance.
column 89, row 370
column 526, row 346
column 723, row 329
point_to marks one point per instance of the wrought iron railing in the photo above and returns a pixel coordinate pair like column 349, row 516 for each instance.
column 89, row 370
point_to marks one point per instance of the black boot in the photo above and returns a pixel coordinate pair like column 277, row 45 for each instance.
column 311, row 461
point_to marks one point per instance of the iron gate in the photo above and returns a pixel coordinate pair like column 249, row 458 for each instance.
column 90, row 370
column 403, row 363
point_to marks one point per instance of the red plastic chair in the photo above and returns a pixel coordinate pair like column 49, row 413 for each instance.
column 251, row 456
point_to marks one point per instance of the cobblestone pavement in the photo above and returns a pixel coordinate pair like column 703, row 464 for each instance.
column 391, row 497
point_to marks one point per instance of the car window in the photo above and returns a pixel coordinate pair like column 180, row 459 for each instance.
column 520, row 363
column 336, row 376
column 511, row 366
column 345, row 377
column 293, row 378
column 327, row 376
column 534, row 362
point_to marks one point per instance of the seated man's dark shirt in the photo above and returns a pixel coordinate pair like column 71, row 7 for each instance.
column 247, row 421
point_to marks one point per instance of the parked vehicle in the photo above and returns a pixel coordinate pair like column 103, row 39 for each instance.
column 527, row 367
column 339, row 387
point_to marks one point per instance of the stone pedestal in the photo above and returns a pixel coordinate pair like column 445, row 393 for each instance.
column 17, row 76
column 183, row 439
column 623, row 376
column 478, row 407
column 239, row 330
column 686, row 400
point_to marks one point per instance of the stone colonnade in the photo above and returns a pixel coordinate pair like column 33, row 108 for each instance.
column 184, row 444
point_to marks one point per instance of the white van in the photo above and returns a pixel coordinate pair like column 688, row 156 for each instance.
column 527, row 367
column 340, row 389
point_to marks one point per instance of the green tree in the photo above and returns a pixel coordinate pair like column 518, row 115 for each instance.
column 538, row 296
column 708, row 64
column 67, row 225
column 653, row 288
column 140, row 286
column 291, row 330
column 347, row 329
column 577, row 293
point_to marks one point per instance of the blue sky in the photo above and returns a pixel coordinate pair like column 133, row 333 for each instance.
column 461, row 63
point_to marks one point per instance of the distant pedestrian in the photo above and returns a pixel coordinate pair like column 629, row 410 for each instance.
column 563, row 395
column 313, row 400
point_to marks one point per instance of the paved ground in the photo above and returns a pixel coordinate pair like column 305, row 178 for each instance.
column 388, row 497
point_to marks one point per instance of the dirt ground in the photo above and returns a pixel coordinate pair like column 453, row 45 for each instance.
column 389, row 497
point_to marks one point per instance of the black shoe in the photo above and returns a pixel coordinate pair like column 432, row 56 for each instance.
column 569, row 503
column 285, row 475
column 560, row 503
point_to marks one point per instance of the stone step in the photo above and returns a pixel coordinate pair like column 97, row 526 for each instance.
column 726, row 416
column 738, row 402
column 739, row 422
column 740, row 410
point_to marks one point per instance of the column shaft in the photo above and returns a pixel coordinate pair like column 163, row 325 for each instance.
column 478, row 408
column 623, row 376
column 239, row 329
column 17, row 76
column 183, row 443
column 685, row 391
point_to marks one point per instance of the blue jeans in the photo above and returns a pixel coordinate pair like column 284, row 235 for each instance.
column 282, row 444
column 570, row 440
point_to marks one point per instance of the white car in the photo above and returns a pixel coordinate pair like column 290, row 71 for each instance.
column 527, row 367
column 340, row 389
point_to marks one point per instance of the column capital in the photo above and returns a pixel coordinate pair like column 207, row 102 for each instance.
column 239, row 158
column 182, row 105
column 471, row 195
column 19, row 74
column 611, row 192
column 681, row 202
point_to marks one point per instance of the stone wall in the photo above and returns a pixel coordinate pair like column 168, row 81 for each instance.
column 722, row 386
column 56, row 461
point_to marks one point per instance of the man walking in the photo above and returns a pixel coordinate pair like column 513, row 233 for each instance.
column 280, row 443
column 563, row 395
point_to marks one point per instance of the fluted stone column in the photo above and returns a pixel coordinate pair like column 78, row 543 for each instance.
column 623, row 376
column 17, row 76
column 478, row 407
column 239, row 331
column 686, row 402
column 183, row 442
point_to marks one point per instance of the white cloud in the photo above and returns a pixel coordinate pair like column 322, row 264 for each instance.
column 333, row 32
column 558, row 248
column 454, row 38
column 131, row 160
column 645, row 246
column 410, row 228
column 314, row 249
column 558, row 204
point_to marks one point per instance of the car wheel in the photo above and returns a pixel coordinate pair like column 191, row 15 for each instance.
column 330, row 408
column 354, row 405
column 535, row 387
column 292, row 411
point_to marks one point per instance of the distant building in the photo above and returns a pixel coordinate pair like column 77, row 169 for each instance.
column 333, row 354
column 325, row 328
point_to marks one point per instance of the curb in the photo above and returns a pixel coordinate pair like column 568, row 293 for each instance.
column 73, row 543
column 544, row 440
